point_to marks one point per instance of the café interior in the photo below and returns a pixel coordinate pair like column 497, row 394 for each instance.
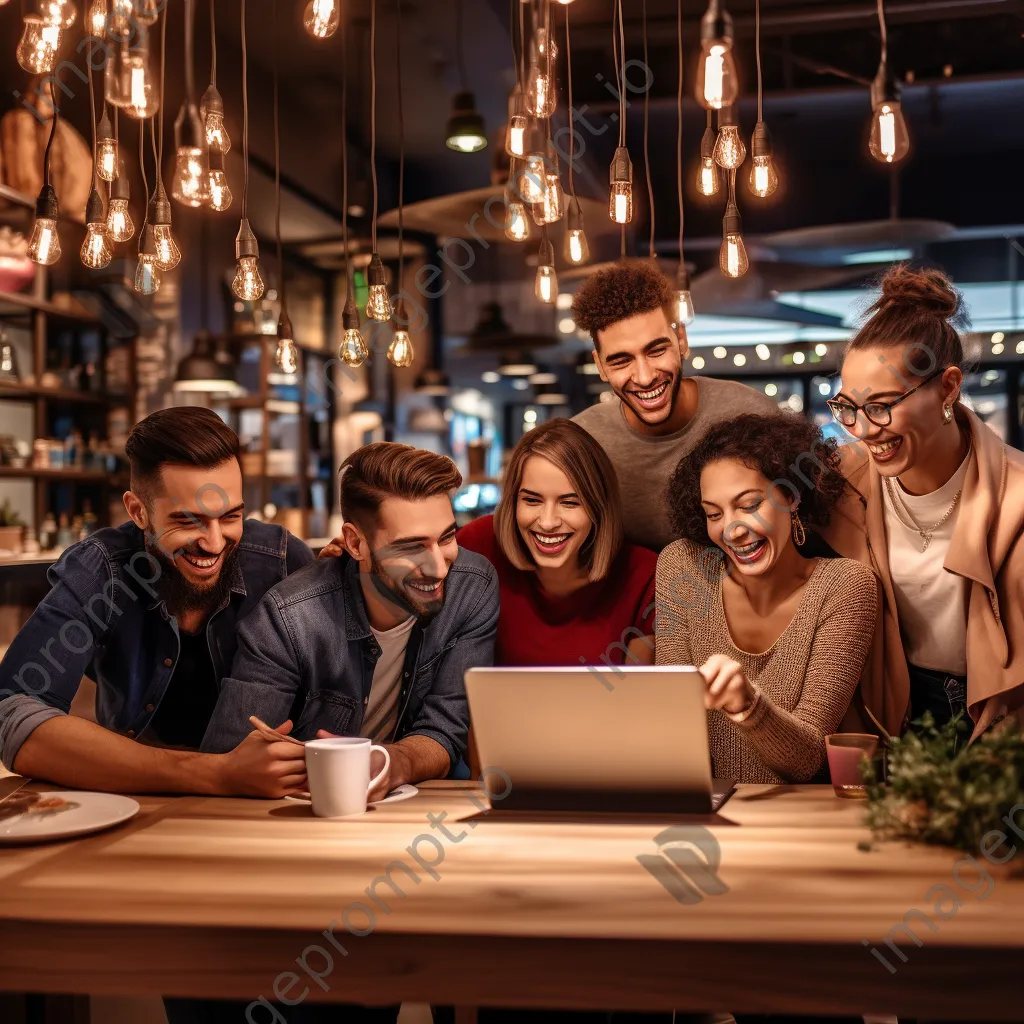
column 307, row 217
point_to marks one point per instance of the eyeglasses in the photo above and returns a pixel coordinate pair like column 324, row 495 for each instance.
column 879, row 413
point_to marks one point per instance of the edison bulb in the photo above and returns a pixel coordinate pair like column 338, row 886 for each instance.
column 106, row 159
column 190, row 185
column 321, row 18
column 216, row 134
column 44, row 246
column 61, row 13
column 287, row 355
column 400, row 349
column 546, row 285
column 889, row 141
column 98, row 18
column 533, row 179
column 168, row 255
column 378, row 303
column 353, row 351
column 37, row 48
column 220, row 193
column 683, row 307
column 620, row 202
column 730, row 149
column 763, row 179
column 732, row 257
column 577, row 250
column 247, row 283
column 142, row 100
column 517, row 224
column 515, row 135
column 120, row 226
column 540, row 91
column 147, row 274
column 716, row 75
column 707, row 177
column 550, row 207
column 95, row 251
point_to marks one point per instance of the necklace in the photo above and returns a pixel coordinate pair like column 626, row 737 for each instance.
column 925, row 532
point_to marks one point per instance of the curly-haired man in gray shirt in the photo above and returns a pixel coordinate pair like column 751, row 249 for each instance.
column 660, row 415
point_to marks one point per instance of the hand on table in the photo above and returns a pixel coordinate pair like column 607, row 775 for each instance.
column 728, row 689
column 390, row 779
column 265, row 768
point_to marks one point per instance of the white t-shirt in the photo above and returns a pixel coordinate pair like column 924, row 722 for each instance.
column 930, row 601
column 381, row 715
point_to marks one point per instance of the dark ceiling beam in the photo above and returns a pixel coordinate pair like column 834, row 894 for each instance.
column 827, row 16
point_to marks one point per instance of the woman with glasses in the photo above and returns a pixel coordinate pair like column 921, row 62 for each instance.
column 781, row 639
column 936, row 509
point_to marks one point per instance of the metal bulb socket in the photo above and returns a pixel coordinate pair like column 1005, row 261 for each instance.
column 94, row 209
column 245, row 241
column 546, row 254
column 119, row 187
column 46, row 203
column 148, row 247
column 732, row 223
column 716, row 23
column 211, row 103
column 375, row 272
column 884, row 88
column 104, row 129
column 682, row 276
column 761, row 140
column 350, row 315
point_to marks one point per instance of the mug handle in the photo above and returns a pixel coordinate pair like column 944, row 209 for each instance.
column 387, row 764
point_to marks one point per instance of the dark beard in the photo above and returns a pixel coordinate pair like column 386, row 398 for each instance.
column 179, row 594
column 395, row 594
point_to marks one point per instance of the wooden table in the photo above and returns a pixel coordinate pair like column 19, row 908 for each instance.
column 218, row 897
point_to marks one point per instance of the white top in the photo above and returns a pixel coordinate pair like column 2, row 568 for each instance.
column 930, row 601
column 381, row 715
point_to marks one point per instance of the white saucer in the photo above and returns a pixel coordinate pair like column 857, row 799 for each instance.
column 84, row 813
column 394, row 797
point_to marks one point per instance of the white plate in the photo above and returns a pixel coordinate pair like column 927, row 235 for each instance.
column 394, row 797
column 88, row 812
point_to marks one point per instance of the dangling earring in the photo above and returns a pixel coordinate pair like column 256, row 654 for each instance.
column 947, row 414
column 799, row 534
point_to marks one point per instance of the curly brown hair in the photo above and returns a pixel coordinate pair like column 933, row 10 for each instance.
column 616, row 293
column 785, row 448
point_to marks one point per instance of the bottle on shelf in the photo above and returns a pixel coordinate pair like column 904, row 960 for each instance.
column 48, row 532
column 65, row 538
column 89, row 520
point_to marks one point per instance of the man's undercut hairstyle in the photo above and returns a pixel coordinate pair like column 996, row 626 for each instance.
column 386, row 469
column 626, row 289
column 186, row 435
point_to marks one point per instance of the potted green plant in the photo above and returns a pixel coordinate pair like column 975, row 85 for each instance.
column 11, row 528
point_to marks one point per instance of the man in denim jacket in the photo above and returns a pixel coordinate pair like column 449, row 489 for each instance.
column 150, row 612
column 374, row 642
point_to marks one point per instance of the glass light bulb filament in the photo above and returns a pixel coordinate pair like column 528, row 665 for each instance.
column 546, row 287
column 147, row 275
column 247, row 284
column 353, row 351
column 95, row 251
column 44, row 246
column 168, row 255
column 400, row 350
column 120, row 226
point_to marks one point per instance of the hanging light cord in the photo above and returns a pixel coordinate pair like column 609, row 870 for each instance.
column 884, row 32
column 245, row 120
column 344, row 165
column 568, row 75
column 622, row 78
column 277, row 168
column 521, row 67
column 401, row 143
column 158, row 155
column 757, row 53
column 373, row 120
column 145, row 182
column 92, row 119
column 679, row 127
column 458, row 45
column 213, row 43
column 190, row 89
column 647, row 159
column 512, row 37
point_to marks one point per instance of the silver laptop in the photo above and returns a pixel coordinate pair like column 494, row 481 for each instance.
column 623, row 739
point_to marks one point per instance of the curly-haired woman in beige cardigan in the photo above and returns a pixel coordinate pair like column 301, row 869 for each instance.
column 780, row 639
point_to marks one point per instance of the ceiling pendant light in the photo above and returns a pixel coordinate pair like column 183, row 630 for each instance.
column 620, row 174
column 707, row 172
column 533, row 174
column 147, row 273
column 211, row 106
column 286, row 353
column 888, row 141
column 732, row 257
column 97, row 18
column 378, row 301
column 517, row 223
column 541, row 98
column 190, row 185
column 576, row 249
column 44, row 244
column 730, row 150
column 106, row 147
column 38, row 46
column 221, row 195
column 168, row 255
column 683, row 300
column 465, row 132
column 139, row 95
column 247, row 284
column 717, row 85
column 120, row 226
column 763, row 177
column 400, row 351
column 321, row 18
column 551, row 206
column 353, row 351
column 546, row 284
column 95, row 252
column 515, row 132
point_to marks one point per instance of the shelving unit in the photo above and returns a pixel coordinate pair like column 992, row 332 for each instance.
column 64, row 329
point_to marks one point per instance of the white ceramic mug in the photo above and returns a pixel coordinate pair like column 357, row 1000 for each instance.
column 339, row 775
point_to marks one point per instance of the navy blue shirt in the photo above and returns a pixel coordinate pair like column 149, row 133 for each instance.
column 104, row 619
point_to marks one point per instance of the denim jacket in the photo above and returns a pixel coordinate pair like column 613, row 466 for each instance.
column 103, row 618
column 307, row 653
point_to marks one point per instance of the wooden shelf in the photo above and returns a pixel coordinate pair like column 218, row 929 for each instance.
column 21, row 304
column 29, row 392
column 74, row 475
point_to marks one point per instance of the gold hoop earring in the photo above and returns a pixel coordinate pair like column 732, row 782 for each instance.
column 799, row 534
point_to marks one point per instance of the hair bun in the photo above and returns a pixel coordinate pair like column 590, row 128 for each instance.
column 924, row 290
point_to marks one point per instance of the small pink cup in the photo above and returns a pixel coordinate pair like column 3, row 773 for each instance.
column 847, row 752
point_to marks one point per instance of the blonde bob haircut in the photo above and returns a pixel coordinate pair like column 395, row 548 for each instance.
column 575, row 452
